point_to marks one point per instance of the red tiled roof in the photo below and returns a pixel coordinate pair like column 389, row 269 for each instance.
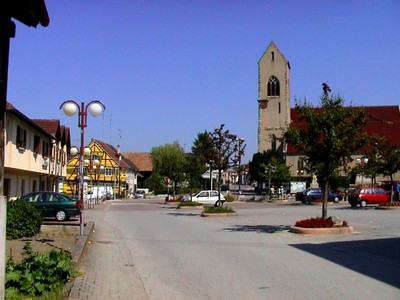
column 51, row 126
column 142, row 160
column 382, row 121
column 113, row 152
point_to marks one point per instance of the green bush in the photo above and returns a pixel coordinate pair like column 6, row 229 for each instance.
column 37, row 274
column 217, row 210
column 229, row 198
column 23, row 220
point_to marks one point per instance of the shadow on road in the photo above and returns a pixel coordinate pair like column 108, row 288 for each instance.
column 258, row 228
column 378, row 258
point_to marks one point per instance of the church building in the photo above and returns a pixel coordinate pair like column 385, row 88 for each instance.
column 275, row 115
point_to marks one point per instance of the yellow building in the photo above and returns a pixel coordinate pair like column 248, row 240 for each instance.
column 106, row 173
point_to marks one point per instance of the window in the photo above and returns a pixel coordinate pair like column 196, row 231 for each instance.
column 36, row 144
column 273, row 144
column 108, row 171
column 273, row 88
column 45, row 148
column 21, row 137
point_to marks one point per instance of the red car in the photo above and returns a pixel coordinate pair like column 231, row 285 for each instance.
column 368, row 195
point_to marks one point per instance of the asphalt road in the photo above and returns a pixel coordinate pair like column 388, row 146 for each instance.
column 180, row 255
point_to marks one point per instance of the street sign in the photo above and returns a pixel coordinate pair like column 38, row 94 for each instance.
column 167, row 180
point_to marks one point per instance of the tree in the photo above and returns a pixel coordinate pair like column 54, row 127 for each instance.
column 168, row 161
column 224, row 146
column 388, row 157
column 328, row 137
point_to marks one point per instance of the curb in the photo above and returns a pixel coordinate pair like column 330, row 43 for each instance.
column 219, row 214
column 320, row 231
column 80, row 245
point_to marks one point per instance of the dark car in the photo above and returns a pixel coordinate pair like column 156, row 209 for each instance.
column 51, row 204
column 314, row 194
column 368, row 195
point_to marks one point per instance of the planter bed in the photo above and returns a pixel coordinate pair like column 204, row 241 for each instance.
column 321, row 231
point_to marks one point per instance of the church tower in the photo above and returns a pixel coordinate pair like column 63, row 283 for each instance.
column 273, row 99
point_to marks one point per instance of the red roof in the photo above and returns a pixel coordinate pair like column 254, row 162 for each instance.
column 382, row 121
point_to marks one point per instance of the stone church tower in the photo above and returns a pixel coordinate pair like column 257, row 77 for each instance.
column 273, row 99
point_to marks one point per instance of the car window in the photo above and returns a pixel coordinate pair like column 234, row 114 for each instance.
column 32, row 198
column 203, row 194
column 214, row 194
column 379, row 191
column 51, row 197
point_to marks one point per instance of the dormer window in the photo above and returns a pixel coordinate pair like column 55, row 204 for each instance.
column 273, row 88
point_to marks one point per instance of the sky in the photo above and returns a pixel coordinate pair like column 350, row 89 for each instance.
column 169, row 70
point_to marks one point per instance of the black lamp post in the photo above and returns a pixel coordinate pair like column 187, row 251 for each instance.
column 95, row 108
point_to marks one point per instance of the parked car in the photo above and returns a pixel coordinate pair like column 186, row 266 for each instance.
column 50, row 204
column 139, row 194
column 313, row 194
column 368, row 195
column 209, row 197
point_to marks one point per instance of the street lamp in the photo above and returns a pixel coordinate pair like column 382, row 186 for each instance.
column 240, row 153
column 70, row 108
column 362, row 162
column 211, row 177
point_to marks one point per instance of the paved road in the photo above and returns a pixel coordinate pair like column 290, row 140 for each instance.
column 144, row 249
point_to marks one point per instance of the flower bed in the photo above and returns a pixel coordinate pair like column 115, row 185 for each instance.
column 331, row 225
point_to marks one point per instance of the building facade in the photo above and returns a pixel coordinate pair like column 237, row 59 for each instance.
column 275, row 115
column 35, row 154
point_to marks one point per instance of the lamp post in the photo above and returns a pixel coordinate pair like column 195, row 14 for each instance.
column 211, row 177
column 362, row 162
column 95, row 108
column 240, row 153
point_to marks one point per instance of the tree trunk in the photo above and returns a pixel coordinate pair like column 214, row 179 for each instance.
column 325, row 200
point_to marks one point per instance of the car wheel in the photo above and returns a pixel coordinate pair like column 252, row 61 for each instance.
column 61, row 215
column 363, row 203
column 336, row 200
column 218, row 203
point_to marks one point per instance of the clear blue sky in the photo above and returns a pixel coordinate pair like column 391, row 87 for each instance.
column 168, row 70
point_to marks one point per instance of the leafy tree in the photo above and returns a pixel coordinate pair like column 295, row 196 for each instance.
column 328, row 138
column 203, row 147
column 388, row 157
column 169, row 161
column 260, row 161
column 194, row 168
column 224, row 146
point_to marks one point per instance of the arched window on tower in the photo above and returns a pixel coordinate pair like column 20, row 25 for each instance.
column 273, row 86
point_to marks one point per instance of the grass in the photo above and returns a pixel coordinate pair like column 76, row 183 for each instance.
column 218, row 210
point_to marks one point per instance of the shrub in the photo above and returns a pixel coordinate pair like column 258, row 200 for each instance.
column 217, row 210
column 321, row 223
column 37, row 274
column 23, row 220
column 229, row 198
column 315, row 223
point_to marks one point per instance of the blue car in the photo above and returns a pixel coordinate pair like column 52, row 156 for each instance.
column 315, row 194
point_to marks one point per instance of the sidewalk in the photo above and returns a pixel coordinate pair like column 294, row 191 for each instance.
column 106, row 269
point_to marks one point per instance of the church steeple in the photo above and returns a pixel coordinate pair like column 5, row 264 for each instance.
column 273, row 99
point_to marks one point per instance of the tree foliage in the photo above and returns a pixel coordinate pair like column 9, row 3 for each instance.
column 328, row 136
column 169, row 161
column 261, row 161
